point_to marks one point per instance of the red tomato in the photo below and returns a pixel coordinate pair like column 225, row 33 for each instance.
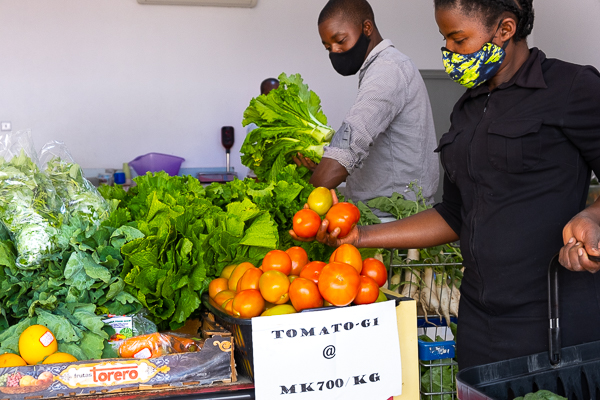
column 306, row 223
column 304, row 294
column 348, row 254
column 299, row 259
column 368, row 291
column 248, row 304
column 277, row 260
column 274, row 287
column 312, row 270
column 375, row 269
column 339, row 283
column 344, row 216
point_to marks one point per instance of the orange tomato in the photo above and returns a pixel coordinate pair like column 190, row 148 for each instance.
column 248, row 304
column 306, row 223
column 277, row 260
column 344, row 216
column 237, row 274
column 339, row 283
column 215, row 286
column 368, row 291
column 274, row 287
column 312, row 270
column 249, row 280
column 228, row 306
column 226, row 273
column 304, row 294
column 299, row 259
column 348, row 254
column 292, row 277
column 375, row 269
column 224, row 295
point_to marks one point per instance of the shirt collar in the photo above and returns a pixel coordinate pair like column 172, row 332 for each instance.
column 530, row 75
column 384, row 44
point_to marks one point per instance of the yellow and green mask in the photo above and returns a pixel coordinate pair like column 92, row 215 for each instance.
column 471, row 70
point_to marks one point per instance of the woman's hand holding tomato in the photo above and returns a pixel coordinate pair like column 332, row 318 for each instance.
column 332, row 238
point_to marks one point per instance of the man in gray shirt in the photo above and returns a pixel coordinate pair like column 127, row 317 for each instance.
column 387, row 139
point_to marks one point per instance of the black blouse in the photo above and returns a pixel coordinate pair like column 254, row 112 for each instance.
column 517, row 164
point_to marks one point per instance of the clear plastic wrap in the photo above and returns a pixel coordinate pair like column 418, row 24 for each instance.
column 80, row 197
column 156, row 345
column 30, row 209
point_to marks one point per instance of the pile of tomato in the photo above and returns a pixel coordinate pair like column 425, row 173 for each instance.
column 287, row 282
column 341, row 215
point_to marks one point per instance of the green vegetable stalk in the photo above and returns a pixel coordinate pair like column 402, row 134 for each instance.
column 289, row 121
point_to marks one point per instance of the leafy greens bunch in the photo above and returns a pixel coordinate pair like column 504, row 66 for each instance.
column 192, row 233
column 76, row 192
column 29, row 210
column 69, row 291
column 289, row 121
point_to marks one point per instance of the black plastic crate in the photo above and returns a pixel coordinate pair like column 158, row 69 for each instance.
column 577, row 377
column 572, row 372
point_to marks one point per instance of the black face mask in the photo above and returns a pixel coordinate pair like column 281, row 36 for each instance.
column 349, row 62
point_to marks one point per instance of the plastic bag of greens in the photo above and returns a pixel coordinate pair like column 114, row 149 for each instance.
column 78, row 194
column 30, row 210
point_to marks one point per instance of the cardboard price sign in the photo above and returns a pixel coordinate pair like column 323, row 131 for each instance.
column 350, row 353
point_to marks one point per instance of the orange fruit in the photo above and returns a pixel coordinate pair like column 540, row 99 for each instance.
column 299, row 259
column 221, row 297
column 11, row 360
column 59, row 357
column 277, row 260
column 249, row 280
column 348, row 254
column 274, row 287
column 36, row 343
column 226, row 273
column 237, row 274
column 215, row 286
column 248, row 304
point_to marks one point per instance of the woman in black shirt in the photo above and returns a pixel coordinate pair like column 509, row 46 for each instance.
column 524, row 139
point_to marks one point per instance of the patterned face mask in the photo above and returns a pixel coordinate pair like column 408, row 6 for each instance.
column 471, row 70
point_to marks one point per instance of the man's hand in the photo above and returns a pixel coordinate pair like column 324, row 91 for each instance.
column 302, row 161
column 581, row 237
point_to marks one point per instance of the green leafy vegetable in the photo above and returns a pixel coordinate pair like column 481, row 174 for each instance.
column 70, row 284
column 289, row 121
column 191, row 233
column 541, row 395
column 29, row 210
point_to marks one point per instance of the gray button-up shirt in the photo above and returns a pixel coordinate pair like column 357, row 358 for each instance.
column 387, row 139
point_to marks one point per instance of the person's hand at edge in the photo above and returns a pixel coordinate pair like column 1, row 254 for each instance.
column 581, row 237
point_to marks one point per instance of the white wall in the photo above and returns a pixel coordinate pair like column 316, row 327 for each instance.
column 114, row 79
column 569, row 30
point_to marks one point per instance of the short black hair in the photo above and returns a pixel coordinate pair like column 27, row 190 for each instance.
column 356, row 11
column 492, row 10
column 268, row 84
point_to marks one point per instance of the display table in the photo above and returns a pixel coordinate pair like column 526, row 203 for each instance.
column 243, row 389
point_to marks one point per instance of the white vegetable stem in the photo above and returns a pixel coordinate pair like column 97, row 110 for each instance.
column 444, row 295
column 429, row 296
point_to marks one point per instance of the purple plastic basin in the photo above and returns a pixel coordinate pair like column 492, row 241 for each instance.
column 154, row 162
